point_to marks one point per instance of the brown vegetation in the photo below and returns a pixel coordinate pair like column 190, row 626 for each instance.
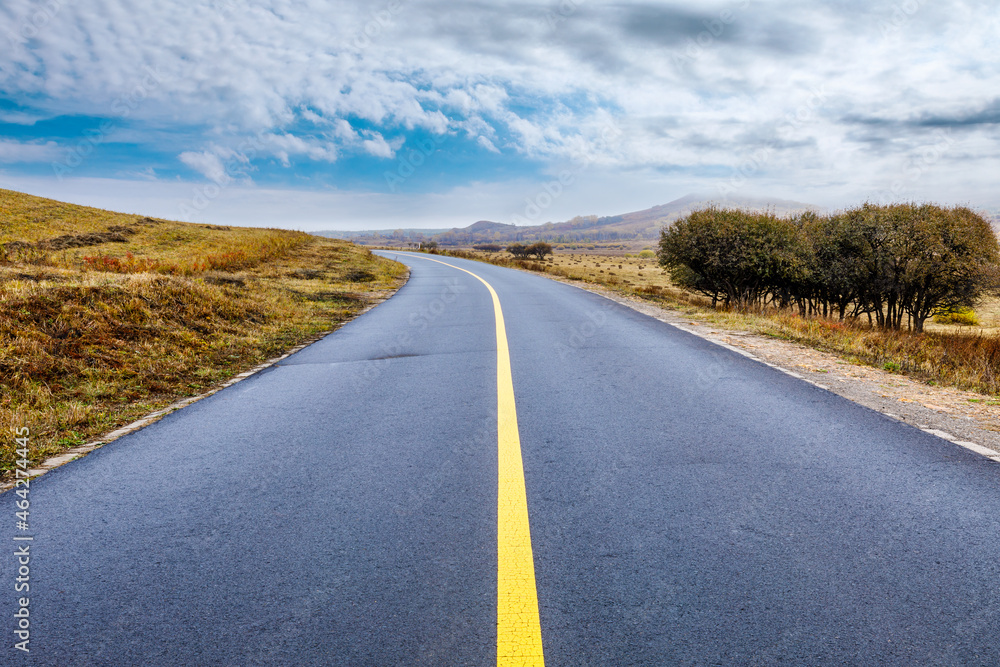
column 89, row 342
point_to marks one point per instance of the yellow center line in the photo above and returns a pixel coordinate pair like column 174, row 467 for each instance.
column 519, row 632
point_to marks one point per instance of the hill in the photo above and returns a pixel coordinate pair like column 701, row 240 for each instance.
column 637, row 225
column 376, row 235
column 105, row 317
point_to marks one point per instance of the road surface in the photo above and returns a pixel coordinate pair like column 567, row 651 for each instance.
column 687, row 506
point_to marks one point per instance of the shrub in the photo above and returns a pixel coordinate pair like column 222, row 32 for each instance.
column 890, row 263
column 741, row 257
column 912, row 260
column 960, row 316
column 519, row 250
column 539, row 249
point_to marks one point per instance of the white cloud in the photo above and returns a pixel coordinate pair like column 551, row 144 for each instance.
column 688, row 89
column 12, row 152
column 20, row 118
column 216, row 164
column 378, row 146
column 285, row 145
column 487, row 144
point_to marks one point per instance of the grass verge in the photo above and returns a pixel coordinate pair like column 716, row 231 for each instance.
column 168, row 310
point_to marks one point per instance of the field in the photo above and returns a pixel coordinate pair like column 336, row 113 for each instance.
column 105, row 317
column 967, row 357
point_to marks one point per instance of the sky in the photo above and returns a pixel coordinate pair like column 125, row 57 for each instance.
column 317, row 114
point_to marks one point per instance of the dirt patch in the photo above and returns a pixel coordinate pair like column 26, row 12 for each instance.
column 225, row 279
column 17, row 246
column 34, row 277
column 333, row 297
column 83, row 240
column 305, row 274
column 359, row 276
column 114, row 234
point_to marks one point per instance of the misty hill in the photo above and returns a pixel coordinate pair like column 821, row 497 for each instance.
column 638, row 225
column 370, row 234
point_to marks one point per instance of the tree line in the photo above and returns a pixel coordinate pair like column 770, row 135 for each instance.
column 522, row 251
column 896, row 264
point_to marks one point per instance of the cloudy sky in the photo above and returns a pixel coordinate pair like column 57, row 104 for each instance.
column 430, row 113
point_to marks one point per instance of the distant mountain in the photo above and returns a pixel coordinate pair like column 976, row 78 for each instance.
column 370, row 234
column 638, row 225
column 487, row 227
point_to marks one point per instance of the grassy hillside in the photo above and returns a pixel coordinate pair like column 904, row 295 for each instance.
column 105, row 317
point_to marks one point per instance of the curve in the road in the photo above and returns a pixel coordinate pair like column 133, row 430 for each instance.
column 519, row 632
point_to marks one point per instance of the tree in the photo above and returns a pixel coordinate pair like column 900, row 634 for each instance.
column 519, row 250
column 837, row 256
column 953, row 257
column 539, row 249
column 742, row 257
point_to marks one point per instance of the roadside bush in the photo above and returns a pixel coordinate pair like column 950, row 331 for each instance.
column 742, row 258
column 888, row 263
column 911, row 261
column 960, row 316
column 540, row 249
column 519, row 250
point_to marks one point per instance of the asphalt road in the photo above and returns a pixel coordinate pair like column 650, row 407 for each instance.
column 687, row 506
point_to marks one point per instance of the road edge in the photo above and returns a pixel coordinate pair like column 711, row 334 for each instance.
column 986, row 452
column 75, row 453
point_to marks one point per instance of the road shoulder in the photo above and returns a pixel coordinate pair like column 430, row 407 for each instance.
column 970, row 419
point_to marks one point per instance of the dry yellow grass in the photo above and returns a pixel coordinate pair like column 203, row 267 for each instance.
column 89, row 345
column 41, row 231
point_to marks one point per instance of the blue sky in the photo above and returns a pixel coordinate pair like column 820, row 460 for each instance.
column 426, row 113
